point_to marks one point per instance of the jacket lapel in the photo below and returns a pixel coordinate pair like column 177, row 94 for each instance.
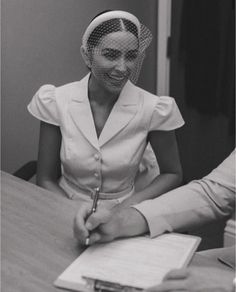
column 122, row 113
column 81, row 114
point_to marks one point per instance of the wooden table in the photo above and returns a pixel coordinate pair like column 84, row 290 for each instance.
column 37, row 236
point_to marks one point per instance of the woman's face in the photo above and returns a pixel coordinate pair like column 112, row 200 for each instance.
column 114, row 59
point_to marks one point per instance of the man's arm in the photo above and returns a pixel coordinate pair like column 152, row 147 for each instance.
column 194, row 204
column 186, row 207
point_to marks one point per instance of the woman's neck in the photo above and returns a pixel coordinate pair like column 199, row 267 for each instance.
column 99, row 94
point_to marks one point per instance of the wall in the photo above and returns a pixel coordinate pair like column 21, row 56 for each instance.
column 205, row 140
column 41, row 44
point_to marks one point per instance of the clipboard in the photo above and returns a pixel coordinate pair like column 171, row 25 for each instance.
column 128, row 265
column 106, row 286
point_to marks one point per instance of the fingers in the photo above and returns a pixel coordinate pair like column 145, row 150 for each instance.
column 99, row 237
column 169, row 286
column 97, row 218
column 175, row 280
column 85, row 223
column 94, row 237
column 80, row 231
column 176, row 274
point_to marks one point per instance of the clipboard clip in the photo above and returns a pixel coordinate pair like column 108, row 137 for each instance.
column 105, row 286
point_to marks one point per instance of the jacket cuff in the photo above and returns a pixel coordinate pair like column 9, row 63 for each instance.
column 157, row 224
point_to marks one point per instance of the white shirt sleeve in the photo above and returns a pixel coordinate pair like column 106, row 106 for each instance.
column 43, row 105
column 166, row 115
column 194, row 204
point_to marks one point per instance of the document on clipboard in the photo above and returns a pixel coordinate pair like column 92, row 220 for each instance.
column 128, row 264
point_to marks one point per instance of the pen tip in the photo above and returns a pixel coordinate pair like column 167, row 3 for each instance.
column 87, row 241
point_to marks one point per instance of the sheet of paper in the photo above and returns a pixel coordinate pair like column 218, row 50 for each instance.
column 138, row 262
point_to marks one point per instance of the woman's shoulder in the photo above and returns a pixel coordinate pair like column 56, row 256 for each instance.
column 50, row 102
column 49, row 90
column 143, row 92
column 61, row 93
column 68, row 87
column 152, row 96
column 162, row 110
column 72, row 89
column 66, row 90
column 154, row 100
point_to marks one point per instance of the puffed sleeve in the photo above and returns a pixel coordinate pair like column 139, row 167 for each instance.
column 166, row 115
column 43, row 105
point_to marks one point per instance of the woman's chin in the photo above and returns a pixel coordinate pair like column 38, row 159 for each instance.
column 115, row 85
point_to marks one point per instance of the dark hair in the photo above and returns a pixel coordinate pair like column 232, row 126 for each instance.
column 109, row 26
column 100, row 13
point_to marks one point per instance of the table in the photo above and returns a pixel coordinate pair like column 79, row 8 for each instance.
column 37, row 236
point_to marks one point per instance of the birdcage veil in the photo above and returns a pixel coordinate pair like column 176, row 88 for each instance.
column 138, row 37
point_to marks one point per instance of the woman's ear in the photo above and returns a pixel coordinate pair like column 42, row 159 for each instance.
column 85, row 56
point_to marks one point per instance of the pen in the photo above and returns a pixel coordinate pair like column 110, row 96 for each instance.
column 94, row 208
column 95, row 201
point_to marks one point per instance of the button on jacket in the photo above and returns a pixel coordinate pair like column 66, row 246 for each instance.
column 111, row 161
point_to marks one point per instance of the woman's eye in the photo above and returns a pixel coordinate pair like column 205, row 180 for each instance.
column 131, row 56
column 111, row 55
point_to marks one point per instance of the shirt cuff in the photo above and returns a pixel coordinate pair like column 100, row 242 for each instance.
column 157, row 224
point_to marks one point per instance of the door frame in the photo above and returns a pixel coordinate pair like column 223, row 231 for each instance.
column 163, row 36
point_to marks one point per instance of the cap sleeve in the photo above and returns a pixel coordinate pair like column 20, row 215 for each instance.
column 166, row 115
column 43, row 105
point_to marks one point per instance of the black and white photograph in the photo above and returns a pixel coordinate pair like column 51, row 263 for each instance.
column 118, row 146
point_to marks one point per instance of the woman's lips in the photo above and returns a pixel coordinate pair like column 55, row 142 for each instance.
column 117, row 79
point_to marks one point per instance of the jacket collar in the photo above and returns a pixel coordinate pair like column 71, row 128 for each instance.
column 122, row 113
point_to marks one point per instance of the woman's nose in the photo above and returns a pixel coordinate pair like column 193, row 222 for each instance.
column 121, row 65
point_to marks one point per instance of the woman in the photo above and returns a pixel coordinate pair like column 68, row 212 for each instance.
column 94, row 131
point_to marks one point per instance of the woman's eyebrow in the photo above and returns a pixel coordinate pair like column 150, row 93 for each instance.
column 110, row 50
column 133, row 51
column 115, row 51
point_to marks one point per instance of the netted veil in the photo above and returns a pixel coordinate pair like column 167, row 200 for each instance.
column 138, row 39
